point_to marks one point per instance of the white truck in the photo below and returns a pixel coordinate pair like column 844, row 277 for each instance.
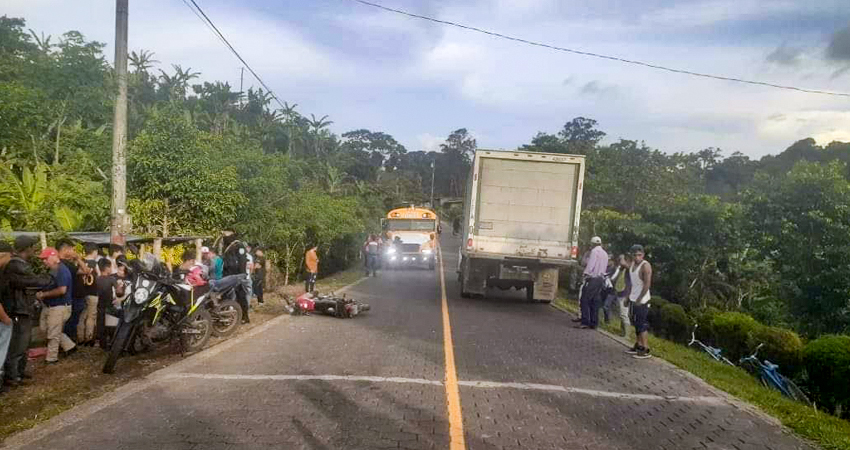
column 520, row 221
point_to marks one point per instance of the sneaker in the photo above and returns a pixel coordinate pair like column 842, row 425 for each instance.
column 634, row 350
column 642, row 354
column 68, row 353
column 576, row 320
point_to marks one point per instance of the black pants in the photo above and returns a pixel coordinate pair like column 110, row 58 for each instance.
column 259, row 284
column 591, row 300
column 101, row 322
column 16, row 359
column 310, row 282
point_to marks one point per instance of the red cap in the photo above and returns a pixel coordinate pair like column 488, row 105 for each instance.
column 48, row 252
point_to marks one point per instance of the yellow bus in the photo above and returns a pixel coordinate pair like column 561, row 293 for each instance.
column 411, row 237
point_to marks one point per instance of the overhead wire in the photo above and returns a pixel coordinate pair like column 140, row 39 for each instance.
column 601, row 56
column 224, row 40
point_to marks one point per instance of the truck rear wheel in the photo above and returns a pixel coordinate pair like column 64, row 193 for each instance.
column 529, row 292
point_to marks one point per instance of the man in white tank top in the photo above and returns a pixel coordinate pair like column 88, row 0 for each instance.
column 640, row 274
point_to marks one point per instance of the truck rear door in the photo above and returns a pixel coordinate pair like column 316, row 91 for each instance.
column 527, row 204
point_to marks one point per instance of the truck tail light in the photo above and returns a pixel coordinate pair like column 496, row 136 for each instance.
column 469, row 243
column 574, row 252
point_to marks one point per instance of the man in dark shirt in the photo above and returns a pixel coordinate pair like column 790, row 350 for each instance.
column 57, row 306
column 259, row 274
column 19, row 277
column 235, row 263
column 88, row 290
column 79, row 271
column 107, row 288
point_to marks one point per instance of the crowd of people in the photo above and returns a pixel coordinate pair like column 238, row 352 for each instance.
column 619, row 286
column 71, row 301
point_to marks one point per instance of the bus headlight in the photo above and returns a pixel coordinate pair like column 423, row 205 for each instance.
column 427, row 251
column 391, row 251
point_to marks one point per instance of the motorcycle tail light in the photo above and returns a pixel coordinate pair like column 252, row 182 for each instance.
column 574, row 252
column 469, row 243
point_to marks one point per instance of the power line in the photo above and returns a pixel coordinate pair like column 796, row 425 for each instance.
column 601, row 56
column 218, row 33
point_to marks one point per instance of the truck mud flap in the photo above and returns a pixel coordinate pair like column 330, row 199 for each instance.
column 546, row 284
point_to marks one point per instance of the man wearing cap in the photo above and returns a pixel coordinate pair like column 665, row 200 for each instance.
column 57, row 310
column 594, row 282
column 19, row 276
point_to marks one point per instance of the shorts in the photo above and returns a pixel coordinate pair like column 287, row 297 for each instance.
column 641, row 317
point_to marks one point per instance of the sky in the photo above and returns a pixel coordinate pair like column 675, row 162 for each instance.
column 418, row 81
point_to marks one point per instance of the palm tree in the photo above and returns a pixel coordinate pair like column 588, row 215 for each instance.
column 318, row 125
column 142, row 61
column 175, row 86
column 290, row 117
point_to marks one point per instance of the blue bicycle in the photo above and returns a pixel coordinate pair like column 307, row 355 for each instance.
column 715, row 353
column 769, row 375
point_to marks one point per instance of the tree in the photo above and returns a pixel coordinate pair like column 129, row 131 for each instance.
column 318, row 127
column 580, row 135
column 802, row 222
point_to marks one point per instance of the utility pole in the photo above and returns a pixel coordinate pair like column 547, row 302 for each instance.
column 241, row 80
column 119, row 221
column 432, row 183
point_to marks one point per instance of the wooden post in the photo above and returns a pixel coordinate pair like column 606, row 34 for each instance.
column 143, row 248
column 118, row 228
column 43, row 237
column 157, row 248
column 198, row 244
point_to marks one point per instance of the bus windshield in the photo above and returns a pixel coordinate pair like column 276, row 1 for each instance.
column 410, row 224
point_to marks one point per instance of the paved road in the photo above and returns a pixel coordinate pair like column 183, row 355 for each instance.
column 527, row 380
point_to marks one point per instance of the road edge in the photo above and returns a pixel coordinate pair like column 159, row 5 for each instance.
column 86, row 409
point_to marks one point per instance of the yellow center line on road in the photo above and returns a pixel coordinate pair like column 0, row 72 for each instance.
column 457, row 442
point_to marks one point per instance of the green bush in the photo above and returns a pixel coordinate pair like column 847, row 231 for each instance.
column 656, row 322
column 781, row 346
column 732, row 332
column 677, row 324
column 827, row 361
column 704, row 317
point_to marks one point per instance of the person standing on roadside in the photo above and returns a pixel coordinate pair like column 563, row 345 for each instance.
column 371, row 249
column 79, row 270
column 5, row 319
column 259, row 274
column 87, row 288
column 57, row 306
column 640, row 273
column 311, row 263
column 215, row 263
column 236, row 263
column 622, row 286
column 594, row 283
column 20, row 277
column 108, row 288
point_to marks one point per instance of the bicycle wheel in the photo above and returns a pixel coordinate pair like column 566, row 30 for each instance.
column 794, row 391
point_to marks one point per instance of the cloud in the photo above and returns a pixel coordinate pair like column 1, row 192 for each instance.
column 839, row 45
column 429, row 143
column 596, row 87
column 824, row 126
column 785, row 56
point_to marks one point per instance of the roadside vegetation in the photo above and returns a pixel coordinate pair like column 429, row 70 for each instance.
column 826, row 430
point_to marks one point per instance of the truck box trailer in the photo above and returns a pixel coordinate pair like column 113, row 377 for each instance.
column 521, row 214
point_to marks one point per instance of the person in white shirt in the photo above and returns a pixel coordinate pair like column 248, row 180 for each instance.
column 594, row 284
column 640, row 274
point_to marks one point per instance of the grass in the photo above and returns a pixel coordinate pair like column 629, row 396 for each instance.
column 60, row 387
column 827, row 431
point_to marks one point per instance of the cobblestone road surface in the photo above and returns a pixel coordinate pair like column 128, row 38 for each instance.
column 528, row 380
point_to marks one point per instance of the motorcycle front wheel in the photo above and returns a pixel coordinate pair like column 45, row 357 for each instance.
column 197, row 331
column 226, row 319
column 121, row 336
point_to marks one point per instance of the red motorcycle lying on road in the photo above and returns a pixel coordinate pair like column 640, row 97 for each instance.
column 329, row 305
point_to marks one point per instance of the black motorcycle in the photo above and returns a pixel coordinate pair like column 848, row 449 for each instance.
column 222, row 305
column 159, row 309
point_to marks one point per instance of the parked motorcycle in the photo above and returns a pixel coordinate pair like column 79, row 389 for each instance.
column 159, row 310
column 222, row 305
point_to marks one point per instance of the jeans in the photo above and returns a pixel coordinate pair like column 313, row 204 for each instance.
column 53, row 320
column 609, row 306
column 371, row 264
column 77, row 307
column 259, row 284
column 16, row 359
column 5, row 340
column 591, row 300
